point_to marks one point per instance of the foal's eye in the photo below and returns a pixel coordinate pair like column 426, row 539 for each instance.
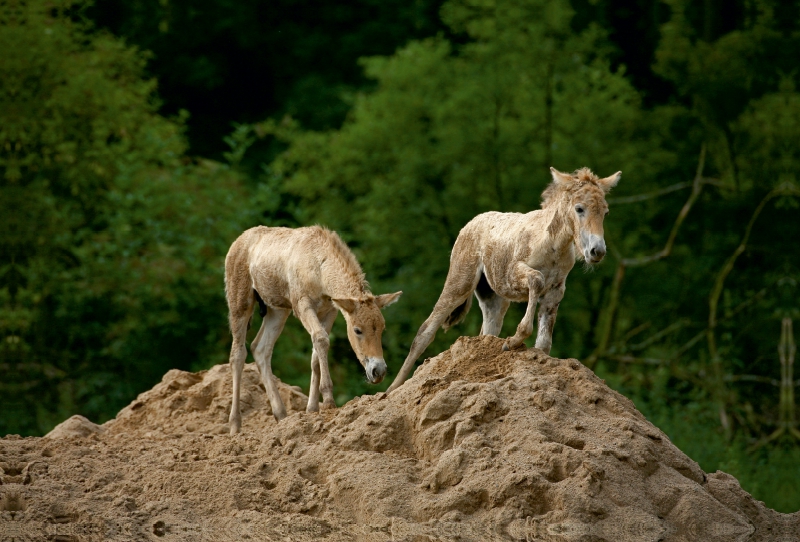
column 357, row 330
column 579, row 209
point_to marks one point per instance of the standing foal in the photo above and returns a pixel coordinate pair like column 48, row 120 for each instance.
column 504, row 257
column 312, row 272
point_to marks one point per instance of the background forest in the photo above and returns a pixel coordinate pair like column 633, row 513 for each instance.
column 138, row 138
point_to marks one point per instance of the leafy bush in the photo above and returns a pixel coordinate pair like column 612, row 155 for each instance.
column 112, row 240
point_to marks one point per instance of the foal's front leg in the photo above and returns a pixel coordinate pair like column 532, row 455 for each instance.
column 524, row 277
column 313, row 390
column 548, row 308
column 306, row 312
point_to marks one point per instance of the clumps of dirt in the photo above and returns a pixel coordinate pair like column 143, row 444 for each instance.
column 480, row 444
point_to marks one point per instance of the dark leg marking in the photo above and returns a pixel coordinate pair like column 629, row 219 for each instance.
column 458, row 315
column 483, row 290
column 262, row 307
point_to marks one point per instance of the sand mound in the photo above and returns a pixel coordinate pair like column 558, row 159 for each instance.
column 479, row 445
column 188, row 402
column 74, row 426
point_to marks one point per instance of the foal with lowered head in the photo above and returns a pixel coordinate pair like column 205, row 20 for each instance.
column 504, row 257
column 312, row 272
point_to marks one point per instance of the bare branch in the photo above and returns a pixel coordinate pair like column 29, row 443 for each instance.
column 719, row 283
column 702, row 334
column 634, row 359
column 697, row 187
column 635, row 331
column 650, row 195
column 656, row 336
column 743, row 305
column 787, row 421
column 664, row 191
column 786, row 352
column 608, row 320
column 752, row 378
column 716, row 292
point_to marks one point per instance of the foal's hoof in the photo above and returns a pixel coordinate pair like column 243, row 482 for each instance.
column 512, row 345
column 328, row 406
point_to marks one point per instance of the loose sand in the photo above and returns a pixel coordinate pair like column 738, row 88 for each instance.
column 479, row 445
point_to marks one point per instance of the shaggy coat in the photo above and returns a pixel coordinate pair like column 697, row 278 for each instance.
column 505, row 257
column 312, row 272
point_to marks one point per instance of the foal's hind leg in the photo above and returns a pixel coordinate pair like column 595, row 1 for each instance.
column 522, row 278
column 493, row 307
column 262, row 347
column 458, row 287
column 239, row 315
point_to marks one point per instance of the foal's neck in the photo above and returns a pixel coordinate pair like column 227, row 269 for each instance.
column 340, row 280
column 561, row 229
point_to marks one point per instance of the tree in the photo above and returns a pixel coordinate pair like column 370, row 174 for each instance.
column 110, row 269
column 242, row 61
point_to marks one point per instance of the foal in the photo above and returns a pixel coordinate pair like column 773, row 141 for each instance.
column 504, row 257
column 312, row 272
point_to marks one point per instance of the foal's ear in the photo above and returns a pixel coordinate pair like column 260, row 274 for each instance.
column 560, row 178
column 344, row 304
column 387, row 299
column 609, row 182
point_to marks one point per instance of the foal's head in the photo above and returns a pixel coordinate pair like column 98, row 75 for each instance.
column 584, row 197
column 365, row 326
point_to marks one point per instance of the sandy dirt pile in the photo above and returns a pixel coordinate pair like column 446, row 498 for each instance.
column 479, row 445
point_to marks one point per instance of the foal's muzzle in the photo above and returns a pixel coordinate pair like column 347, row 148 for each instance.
column 594, row 247
column 375, row 369
column 597, row 253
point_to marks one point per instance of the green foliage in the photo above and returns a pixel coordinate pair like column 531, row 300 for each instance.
column 112, row 241
column 243, row 61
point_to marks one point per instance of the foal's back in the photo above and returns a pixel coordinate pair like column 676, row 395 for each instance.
column 286, row 263
column 269, row 246
column 506, row 237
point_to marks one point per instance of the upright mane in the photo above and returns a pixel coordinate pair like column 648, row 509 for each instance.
column 579, row 177
column 345, row 257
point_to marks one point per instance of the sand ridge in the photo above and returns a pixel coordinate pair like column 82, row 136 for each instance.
column 480, row 444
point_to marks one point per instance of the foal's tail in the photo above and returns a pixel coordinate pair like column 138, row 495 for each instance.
column 458, row 315
column 239, row 290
